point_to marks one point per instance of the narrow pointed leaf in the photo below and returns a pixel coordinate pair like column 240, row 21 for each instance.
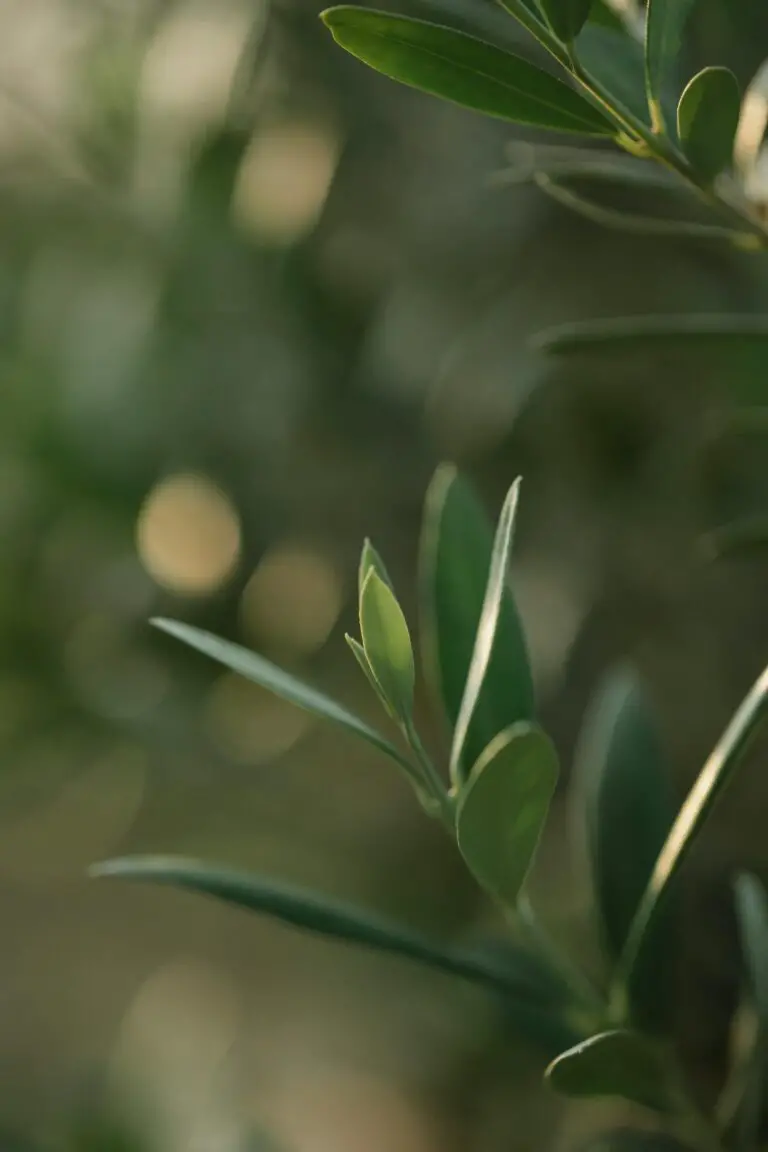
column 503, row 806
column 464, row 70
column 716, row 774
column 622, row 785
column 455, row 559
column 638, row 333
column 359, row 653
column 262, row 672
column 566, row 18
column 707, row 119
column 614, row 1064
column 326, row 917
column 665, row 25
column 370, row 558
column 752, row 916
column 387, row 644
column 496, row 593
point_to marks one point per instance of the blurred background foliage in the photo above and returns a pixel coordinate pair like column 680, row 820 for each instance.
column 250, row 294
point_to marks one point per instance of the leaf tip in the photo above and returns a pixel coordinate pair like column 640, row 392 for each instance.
column 104, row 869
column 163, row 624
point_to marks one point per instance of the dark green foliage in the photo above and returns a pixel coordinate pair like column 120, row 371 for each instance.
column 497, row 814
column 463, row 69
column 624, row 790
column 493, row 793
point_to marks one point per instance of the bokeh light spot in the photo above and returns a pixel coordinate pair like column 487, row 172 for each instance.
column 85, row 821
column 293, row 599
column 188, row 535
column 248, row 724
column 284, row 179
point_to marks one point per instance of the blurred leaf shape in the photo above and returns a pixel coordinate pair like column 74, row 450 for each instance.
column 707, row 119
column 613, row 1064
column 563, row 192
column 263, row 672
column 634, row 1140
column 698, row 806
column 666, row 21
column 637, row 333
column 563, row 1024
column 330, row 918
column 387, row 644
column 623, row 792
column 455, row 559
column 566, row 18
column 752, row 918
column 502, row 809
column 464, row 70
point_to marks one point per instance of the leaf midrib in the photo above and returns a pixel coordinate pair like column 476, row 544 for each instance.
column 502, row 84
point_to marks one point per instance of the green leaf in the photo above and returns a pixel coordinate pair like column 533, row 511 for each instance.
column 502, row 808
column 622, row 781
column 619, row 1064
column 716, row 774
column 566, row 18
column 274, row 679
column 616, row 61
column 752, row 916
column 370, row 558
column 648, row 333
column 486, row 638
column 324, row 917
column 463, row 69
column 420, row 784
column 707, row 119
column 387, row 644
column 359, row 653
column 455, row 559
column 666, row 21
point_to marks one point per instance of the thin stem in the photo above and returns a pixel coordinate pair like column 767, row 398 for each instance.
column 580, row 986
column 433, row 782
